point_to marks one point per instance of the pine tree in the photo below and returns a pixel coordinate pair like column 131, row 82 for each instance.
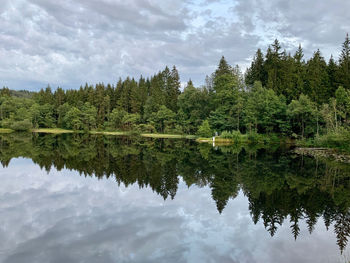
column 135, row 99
column 272, row 67
column 256, row 70
column 5, row 92
column 223, row 68
column 332, row 69
column 100, row 104
column 157, row 88
column 143, row 89
column 298, row 74
column 344, row 64
column 172, row 89
column 59, row 96
column 286, row 75
column 317, row 83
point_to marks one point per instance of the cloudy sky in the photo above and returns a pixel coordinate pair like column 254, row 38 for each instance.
column 67, row 43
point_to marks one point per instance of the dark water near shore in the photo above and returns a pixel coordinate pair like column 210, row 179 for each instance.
column 83, row 198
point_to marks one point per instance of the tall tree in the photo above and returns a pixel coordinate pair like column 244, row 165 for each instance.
column 303, row 112
column 272, row 67
column 332, row 70
column 172, row 89
column 316, row 86
column 256, row 70
column 344, row 64
column 298, row 74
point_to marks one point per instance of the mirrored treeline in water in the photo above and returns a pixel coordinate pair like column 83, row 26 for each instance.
column 281, row 187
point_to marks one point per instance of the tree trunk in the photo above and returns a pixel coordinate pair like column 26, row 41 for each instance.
column 302, row 127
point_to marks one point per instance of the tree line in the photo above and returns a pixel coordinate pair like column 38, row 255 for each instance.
column 279, row 93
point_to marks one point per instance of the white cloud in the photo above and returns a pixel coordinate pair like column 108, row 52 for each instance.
column 68, row 43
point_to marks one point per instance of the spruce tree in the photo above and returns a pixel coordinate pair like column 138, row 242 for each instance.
column 298, row 74
column 223, row 68
column 286, row 75
column 172, row 89
column 256, row 70
column 317, row 78
column 272, row 67
column 332, row 70
column 344, row 64
column 59, row 96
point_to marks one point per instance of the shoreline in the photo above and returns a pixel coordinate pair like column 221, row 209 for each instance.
column 301, row 149
column 107, row 133
column 326, row 153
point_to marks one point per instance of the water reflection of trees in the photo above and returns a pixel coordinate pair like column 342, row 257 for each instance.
column 280, row 187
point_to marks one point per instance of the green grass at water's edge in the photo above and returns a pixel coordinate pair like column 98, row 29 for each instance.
column 112, row 133
column 243, row 139
column 2, row 130
column 51, row 130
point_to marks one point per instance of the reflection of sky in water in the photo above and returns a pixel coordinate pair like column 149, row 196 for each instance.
column 64, row 217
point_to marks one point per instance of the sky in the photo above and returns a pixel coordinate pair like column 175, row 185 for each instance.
column 67, row 43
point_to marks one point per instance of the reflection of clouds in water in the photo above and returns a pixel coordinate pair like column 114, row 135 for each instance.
column 62, row 217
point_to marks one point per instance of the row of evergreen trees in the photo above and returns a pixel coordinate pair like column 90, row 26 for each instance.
column 279, row 93
column 292, row 75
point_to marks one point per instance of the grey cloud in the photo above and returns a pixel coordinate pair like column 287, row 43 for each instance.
column 90, row 13
column 315, row 24
column 68, row 43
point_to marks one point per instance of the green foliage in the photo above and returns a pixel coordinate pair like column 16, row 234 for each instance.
column 256, row 70
column 303, row 113
column 73, row 119
column 204, row 130
column 228, row 98
column 24, row 125
column 317, row 80
column 163, row 119
column 235, row 136
column 147, row 128
column 115, row 119
column 193, row 107
column 337, row 140
column 343, row 74
column 119, row 119
column 130, row 121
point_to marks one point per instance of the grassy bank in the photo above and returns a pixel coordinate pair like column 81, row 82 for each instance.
column 148, row 135
column 238, row 138
column 337, row 140
column 168, row 136
column 52, row 131
column 2, row 130
column 225, row 139
column 110, row 133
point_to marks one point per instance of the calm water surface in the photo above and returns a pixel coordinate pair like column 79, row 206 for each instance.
column 76, row 198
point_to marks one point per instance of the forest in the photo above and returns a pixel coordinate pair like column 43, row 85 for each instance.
column 280, row 93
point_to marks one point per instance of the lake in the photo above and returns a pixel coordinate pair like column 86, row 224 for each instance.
column 83, row 198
